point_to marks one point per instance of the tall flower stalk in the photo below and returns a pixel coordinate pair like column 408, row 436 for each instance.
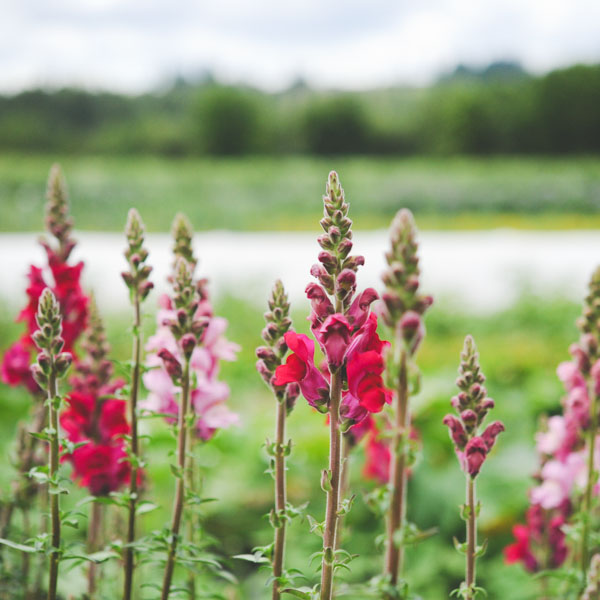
column 352, row 386
column 472, row 448
column 52, row 365
column 136, row 279
column 187, row 330
column 14, row 368
column 404, row 307
column 587, row 355
column 96, row 423
column 269, row 358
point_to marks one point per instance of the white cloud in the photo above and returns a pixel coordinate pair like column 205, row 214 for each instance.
column 132, row 45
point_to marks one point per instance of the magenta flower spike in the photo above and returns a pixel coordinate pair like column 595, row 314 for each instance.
column 95, row 422
column 351, row 387
column 472, row 447
column 63, row 278
column 567, row 446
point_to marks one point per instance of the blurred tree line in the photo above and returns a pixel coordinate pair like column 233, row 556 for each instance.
column 496, row 110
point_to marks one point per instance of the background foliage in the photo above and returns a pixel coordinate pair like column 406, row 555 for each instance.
column 496, row 110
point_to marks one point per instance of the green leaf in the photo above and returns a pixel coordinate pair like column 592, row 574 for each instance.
column 257, row 558
column 298, row 592
column 145, row 507
column 19, row 547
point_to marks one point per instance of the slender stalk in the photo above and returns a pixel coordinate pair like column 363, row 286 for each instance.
column 191, row 487
column 333, row 495
column 54, row 498
column 129, row 562
column 26, row 558
column 280, row 497
column 591, row 477
column 41, row 562
column 394, row 551
column 180, row 487
column 343, row 484
column 471, row 537
column 94, row 529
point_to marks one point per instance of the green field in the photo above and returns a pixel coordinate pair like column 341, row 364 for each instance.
column 520, row 349
column 264, row 194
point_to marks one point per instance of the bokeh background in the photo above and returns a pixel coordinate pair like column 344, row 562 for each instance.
column 483, row 119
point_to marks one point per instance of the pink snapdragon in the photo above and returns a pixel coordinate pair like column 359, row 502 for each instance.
column 210, row 394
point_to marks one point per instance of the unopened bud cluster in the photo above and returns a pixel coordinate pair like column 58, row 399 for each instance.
column 136, row 278
column 272, row 355
column 403, row 304
column 52, row 363
column 95, row 365
column 57, row 220
column 182, row 234
column 186, row 326
column 472, row 405
column 587, row 351
column 336, row 270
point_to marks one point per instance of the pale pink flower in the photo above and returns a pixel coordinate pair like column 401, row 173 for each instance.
column 548, row 442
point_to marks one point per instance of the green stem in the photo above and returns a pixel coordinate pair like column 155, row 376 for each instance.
column 333, row 495
column 94, row 529
column 54, row 497
column 180, row 486
column 129, row 562
column 471, row 537
column 280, row 497
column 591, row 478
column 191, row 487
column 343, row 484
column 396, row 516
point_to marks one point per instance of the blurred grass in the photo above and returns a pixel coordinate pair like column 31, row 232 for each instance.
column 520, row 349
column 266, row 193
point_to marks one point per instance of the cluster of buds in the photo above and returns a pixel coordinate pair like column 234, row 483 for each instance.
column 57, row 221
column 272, row 355
column 182, row 234
column 94, row 369
column 587, row 352
column 472, row 405
column 51, row 361
column 403, row 304
column 186, row 327
column 136, row 278
column 337, row 269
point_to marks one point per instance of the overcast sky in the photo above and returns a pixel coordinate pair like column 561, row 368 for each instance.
column 135, row 45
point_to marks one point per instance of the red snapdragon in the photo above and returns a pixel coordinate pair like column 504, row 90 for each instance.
column 62, row 278
column 300, row 368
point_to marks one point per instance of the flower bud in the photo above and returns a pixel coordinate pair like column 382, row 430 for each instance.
column 264, row 371
column 344, row 248
column 469, row 418
column 411, row 330
column 63, row 362
column 172, row 365
column 188, row 343
column 45, row 362
column 475, row 455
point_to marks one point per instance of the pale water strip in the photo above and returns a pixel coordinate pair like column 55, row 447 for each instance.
column 482, row 271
